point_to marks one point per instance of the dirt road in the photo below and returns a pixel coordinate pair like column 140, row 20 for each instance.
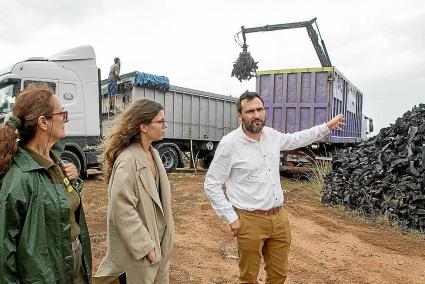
column 328, row 246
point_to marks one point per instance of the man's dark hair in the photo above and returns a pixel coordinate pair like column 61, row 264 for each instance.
column 116, row 59
column 249, row 96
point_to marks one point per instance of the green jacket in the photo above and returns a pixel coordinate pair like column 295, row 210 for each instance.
column 35, row 232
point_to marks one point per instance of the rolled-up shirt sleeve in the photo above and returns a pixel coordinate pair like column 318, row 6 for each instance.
column 302, row 138
column 217, row 175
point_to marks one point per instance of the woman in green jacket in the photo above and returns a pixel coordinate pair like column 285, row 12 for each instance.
column 43, row 232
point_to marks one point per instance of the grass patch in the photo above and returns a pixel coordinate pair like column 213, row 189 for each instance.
column 379, row 221
column 311, row 182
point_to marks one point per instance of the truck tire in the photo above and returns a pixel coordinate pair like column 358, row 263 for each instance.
column 169, row 158
column 70, row 157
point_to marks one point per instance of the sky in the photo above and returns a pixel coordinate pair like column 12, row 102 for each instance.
column 378, row 45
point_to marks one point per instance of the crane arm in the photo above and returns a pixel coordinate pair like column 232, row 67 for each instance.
column 318, row 46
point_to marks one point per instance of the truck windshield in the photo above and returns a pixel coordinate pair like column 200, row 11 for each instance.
column 7, row 97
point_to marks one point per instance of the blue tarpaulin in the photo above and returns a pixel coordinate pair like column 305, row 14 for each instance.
column 142, row 79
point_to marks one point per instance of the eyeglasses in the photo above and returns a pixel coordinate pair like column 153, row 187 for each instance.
column 63, row 113
column 162, row 122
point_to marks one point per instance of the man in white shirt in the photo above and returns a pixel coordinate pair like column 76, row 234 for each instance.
column 247, row 162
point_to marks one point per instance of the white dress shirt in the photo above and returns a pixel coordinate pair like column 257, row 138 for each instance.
column 250, row 169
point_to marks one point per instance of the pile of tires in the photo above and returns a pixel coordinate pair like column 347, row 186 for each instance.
column 385, row 175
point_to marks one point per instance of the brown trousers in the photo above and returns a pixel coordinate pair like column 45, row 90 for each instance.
column 268, row 236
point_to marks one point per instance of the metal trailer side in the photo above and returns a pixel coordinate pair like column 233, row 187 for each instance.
column 193, row 114
column 196, row 119
column 297, row 99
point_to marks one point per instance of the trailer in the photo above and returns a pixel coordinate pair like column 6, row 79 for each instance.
column 196, row 120
column 298, row 99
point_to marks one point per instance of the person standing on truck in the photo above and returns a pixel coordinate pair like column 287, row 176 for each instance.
column 113, row 78
column 140, row 221
column 247, row 162
column 44, row 236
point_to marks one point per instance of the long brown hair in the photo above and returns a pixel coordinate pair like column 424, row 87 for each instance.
column 33, row 102
column 127, row 131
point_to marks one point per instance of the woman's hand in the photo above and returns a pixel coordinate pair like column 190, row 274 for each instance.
column 336, row 122
column 70, row 171
column 152, row 256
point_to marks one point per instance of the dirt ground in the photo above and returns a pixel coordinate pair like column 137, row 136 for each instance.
column 328, row 246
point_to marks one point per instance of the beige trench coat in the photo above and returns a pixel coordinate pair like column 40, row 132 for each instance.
column 138, row 221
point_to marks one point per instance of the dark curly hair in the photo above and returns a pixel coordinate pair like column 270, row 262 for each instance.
column 249, row 96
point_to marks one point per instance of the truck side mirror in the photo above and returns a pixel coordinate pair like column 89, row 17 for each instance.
column 370, row 125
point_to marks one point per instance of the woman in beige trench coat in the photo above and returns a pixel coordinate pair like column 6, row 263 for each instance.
column 140, row 222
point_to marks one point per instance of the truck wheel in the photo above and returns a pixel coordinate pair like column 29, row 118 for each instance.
column 169, row 158
column 70, row 157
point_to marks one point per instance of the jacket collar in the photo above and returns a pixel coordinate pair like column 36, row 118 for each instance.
column 139, row 154
column 26, row 163
column 143, row 168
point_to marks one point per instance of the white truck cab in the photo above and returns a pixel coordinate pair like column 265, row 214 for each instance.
column 74, row 77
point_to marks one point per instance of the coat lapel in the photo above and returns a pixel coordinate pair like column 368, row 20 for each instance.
column 145, row 173
column 163, row 179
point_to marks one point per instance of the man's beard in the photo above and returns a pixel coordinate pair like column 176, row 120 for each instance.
column 252, row 127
